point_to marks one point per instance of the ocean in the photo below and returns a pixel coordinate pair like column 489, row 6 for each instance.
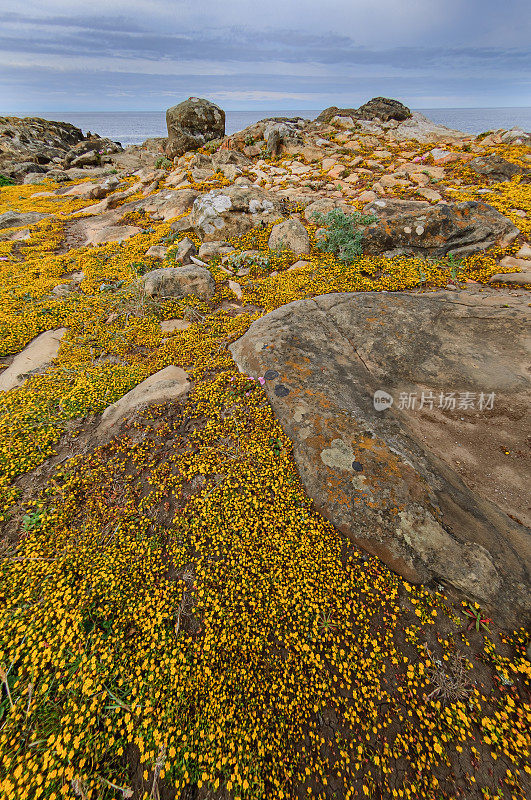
column 133, row 127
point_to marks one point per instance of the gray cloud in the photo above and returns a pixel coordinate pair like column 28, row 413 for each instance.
column 134, row 53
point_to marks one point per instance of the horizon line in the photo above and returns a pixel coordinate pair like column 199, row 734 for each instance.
column 249, row 110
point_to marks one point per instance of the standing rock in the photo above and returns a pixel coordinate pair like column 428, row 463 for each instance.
column 414, row 487
column 185, row 250
column 409, row 227
column 191, row 124
column 179, row 282
column 291, row 235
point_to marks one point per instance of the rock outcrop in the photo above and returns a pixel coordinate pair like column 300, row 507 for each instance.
column 224, row 213
column 191, row 124
column 410, row 227
column 36, row 141
column 388, row 478
column 30, row 147
column 383, row 108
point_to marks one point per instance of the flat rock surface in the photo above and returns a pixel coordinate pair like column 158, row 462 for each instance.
column 170, row 383
column 427, row 490
column 39, row 353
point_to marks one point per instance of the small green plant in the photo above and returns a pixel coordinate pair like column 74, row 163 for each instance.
column 31, row 521
column 453, row 264
column 325, row 622
column 5, row 181
column 163, row 163
column 422, row 276
column 341, row 237
column 477, row 618
column 242, row 260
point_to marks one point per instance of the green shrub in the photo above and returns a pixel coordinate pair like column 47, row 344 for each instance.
column 241, row 260
column 342, row 239
column 5, row 181
column 162, row 163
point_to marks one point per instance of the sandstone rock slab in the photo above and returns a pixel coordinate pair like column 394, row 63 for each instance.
column 418, row 490
column 167, row 385
column 36, row 356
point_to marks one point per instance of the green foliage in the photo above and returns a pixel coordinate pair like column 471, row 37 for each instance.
column 5, row 181
column 31, row 520
column 239, row 260
column 249, row 140
column 342, row 238
column 162, row 163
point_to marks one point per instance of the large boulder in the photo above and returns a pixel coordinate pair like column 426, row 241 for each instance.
column 383, row 108
column 291, row 235
column 191, row 124
column 422, row 488
column 179, row 282
column 230, row 212
column 409, row 227
column 496, row 168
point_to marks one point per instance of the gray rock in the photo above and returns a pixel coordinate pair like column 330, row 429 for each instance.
column 230, row 212
column 213, row 249
column 420, row 490
column 495, row 168
column 191, row 124
column 384, row 109
column 179, row 282
column 290, row 234
column 167, row 385
column 513, row 278
column 185, row 249
column 18, row 219
column 407, row 227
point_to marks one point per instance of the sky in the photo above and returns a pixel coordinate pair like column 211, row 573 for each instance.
column 112, row 55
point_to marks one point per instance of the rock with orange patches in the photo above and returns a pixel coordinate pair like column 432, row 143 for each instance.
column 408, row 227
column 383, row 475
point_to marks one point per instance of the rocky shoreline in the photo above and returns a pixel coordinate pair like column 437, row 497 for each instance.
column 264, row 402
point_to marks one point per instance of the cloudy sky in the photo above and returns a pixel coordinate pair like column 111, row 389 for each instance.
column 274, row 54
